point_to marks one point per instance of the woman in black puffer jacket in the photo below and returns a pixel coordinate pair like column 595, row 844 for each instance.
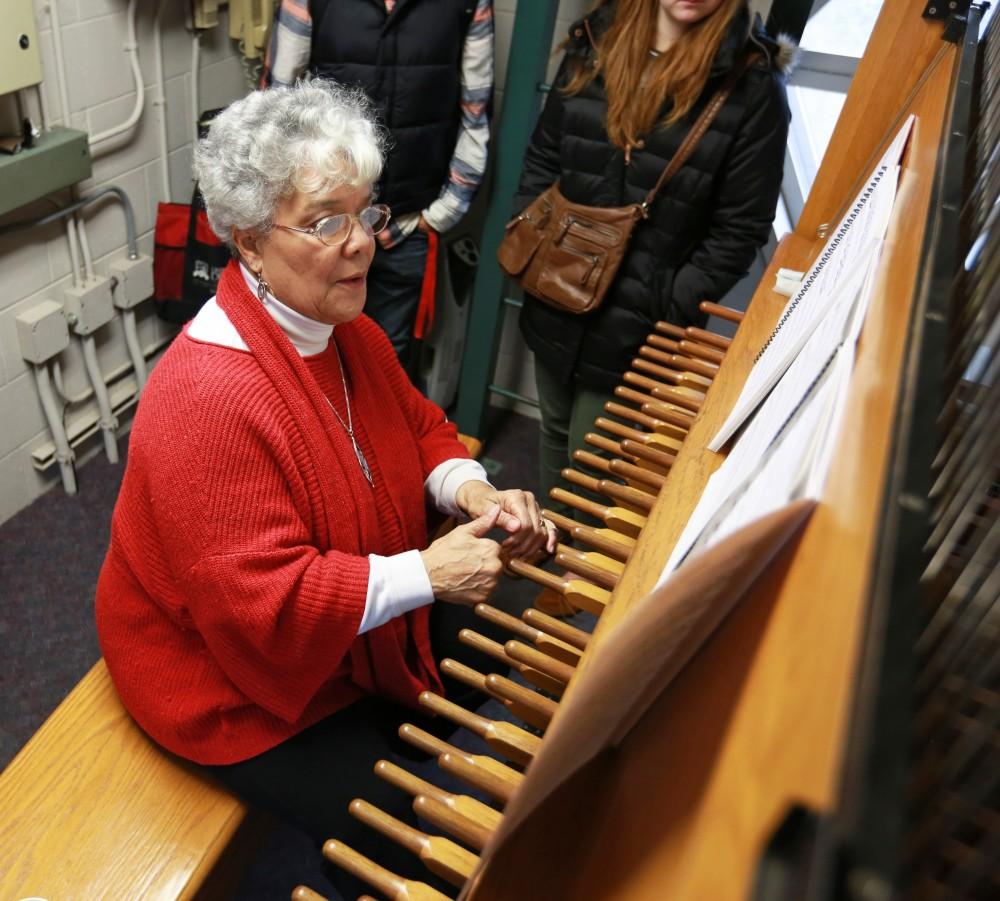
column 635, row 76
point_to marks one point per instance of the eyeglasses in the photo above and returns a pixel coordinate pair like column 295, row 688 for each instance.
column 334, row 230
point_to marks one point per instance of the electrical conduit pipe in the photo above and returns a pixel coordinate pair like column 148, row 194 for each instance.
column 108, row 421
column 134, row 348
column 132, row 49
column 161, row 102
column 64, row 453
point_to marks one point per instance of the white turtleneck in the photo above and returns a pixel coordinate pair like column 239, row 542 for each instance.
column 398, row 583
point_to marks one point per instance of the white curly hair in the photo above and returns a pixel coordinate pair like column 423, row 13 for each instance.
column 312, row 136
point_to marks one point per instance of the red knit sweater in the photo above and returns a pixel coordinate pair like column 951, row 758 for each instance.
column 230, row 599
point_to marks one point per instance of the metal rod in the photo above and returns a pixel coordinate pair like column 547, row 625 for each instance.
column 513, row 395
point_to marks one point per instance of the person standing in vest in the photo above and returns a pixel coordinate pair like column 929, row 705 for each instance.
column 428, row 67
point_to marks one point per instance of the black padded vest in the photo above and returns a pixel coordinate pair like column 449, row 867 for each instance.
column 409, row 63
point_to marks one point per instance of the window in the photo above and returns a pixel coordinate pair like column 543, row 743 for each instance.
column 832, row 43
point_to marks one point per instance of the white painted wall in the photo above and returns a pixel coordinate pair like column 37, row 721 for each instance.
column 35, row 264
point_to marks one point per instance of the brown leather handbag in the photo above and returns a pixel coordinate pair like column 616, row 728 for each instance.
column 566, row 254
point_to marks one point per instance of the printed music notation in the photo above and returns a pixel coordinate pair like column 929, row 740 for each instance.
column 857, row 236
column 793, row 401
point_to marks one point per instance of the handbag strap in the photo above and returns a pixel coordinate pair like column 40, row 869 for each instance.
column 699, row 128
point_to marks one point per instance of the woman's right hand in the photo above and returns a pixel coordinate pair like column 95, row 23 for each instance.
column 464, row 565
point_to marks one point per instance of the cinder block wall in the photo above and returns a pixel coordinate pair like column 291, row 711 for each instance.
column 35, row 264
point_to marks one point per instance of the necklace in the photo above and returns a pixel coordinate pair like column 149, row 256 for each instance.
column 349, row 425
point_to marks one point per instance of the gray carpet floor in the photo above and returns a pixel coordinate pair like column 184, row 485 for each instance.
column 50, row 556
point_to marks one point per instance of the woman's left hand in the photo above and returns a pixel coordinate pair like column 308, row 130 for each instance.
column 527, row 531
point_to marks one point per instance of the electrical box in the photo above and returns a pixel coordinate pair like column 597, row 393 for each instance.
column 205, row 13
column 89, row 305
column 20, row 59
column 135, row 281
column 60, row 158
column 42, row 331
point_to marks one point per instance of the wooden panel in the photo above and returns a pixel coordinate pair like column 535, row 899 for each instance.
column 473, row 445
column 91, row 808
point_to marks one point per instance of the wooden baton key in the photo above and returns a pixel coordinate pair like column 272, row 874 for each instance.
column 491, row 648
column 518, row 697
column 607, row 541
column 590, row 565
column 505, row 738
column 665, row 344
column 477, row 680
column 440, row 855
column 490, row 776
column 675, row 434
column 669, row 329
column 465, row 806
column 578, row 592
column 706, row 337
column 701, row 351
column 442, row 816
column 678, row 398
column 464, row 674
column 647, row 479
column 698, row 367
column 648, row 454
column 714, row 309
column 644, row 382
column 542, row 662
column 566, row 653
column 557, row 628
column 662, row 359
column 388, row 883
column 628, row 522
column 625, row 495
column 304, row 893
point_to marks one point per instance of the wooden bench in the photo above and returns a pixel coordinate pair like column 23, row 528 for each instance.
column 473, row 445
column 91, row 808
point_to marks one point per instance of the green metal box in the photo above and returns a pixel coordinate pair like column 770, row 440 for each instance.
column 60, row 158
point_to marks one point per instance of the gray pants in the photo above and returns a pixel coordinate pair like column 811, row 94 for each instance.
column 568, row 413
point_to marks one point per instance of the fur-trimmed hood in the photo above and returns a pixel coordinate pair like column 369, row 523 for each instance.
column 781, row 52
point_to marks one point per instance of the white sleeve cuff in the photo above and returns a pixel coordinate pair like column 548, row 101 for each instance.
column 446, row 478
column 396, row 585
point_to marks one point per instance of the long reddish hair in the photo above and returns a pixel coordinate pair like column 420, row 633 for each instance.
column 637, row 86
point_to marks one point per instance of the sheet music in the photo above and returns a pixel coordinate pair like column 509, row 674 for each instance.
column 812, row 391
column 780, row 476
column 863, row 227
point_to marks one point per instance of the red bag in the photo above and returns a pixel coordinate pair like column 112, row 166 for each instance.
column 172, row 224
column 187, row 261
column 188, row 258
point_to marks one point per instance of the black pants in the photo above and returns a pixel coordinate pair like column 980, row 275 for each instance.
column 310, row 779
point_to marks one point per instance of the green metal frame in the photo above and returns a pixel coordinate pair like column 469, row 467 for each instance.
column 59, row 158
column 531, row 41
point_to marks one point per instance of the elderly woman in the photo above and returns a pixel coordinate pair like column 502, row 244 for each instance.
column 269, row 606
